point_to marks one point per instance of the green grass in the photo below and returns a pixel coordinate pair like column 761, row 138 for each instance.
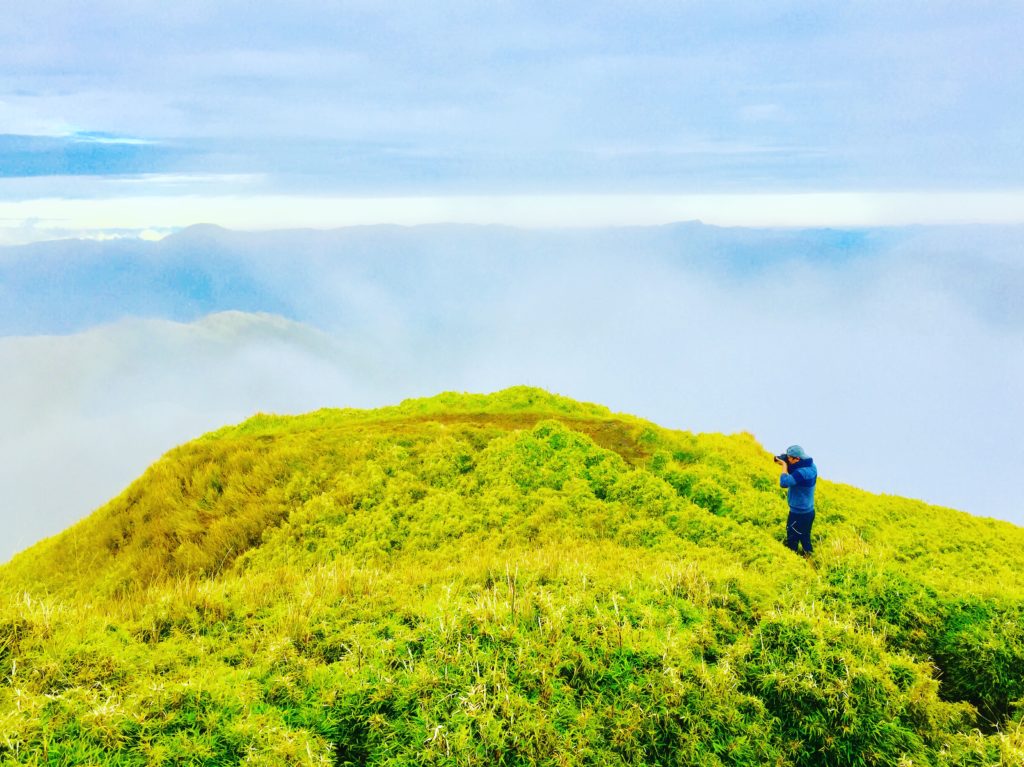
column 506, row 579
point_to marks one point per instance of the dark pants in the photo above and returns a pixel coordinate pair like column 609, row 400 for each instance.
column 798, row 530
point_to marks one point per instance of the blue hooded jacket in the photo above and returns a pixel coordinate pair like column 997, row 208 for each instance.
column 800, row 480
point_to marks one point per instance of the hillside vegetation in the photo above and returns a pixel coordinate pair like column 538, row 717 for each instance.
column 506, row 580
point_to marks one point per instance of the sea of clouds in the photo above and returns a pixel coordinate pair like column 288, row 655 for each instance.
column 896, row 357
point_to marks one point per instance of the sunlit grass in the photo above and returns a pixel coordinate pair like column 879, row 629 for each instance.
column 506, row 579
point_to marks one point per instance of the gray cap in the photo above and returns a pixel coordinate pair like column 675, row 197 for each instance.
column 795, row 451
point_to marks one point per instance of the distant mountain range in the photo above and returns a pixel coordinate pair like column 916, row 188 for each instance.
column 68, row 285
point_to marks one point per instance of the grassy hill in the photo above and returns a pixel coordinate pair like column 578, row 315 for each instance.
column 507, row 579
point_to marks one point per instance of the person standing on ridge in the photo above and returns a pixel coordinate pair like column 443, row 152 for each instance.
column 800, row 477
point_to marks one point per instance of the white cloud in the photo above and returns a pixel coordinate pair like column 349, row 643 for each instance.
column 87, row 413
column 18, row 117
column 102, row 138
column 889, row 98
column 763, row 112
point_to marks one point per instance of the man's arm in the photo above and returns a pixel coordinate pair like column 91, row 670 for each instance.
column 802, row 476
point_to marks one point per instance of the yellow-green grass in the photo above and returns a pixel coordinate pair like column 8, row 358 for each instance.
column 506, row 579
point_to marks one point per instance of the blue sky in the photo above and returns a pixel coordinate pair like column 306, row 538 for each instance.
column 395, row 100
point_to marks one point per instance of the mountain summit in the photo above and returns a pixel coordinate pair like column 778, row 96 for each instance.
column 514, row 578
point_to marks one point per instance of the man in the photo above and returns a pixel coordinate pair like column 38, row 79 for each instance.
column 800, row 477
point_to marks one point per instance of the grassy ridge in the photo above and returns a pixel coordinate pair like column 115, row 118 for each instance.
column 506, row 579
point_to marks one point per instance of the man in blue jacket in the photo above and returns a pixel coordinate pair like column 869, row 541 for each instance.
column 800, row 477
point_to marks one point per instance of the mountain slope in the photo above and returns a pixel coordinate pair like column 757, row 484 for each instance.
column 515, row 578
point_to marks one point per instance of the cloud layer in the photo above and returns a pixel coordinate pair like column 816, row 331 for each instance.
column 894, row 356
column 86, row 413
column 383, row 98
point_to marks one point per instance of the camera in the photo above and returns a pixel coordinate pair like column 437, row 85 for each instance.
column 781, row 458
